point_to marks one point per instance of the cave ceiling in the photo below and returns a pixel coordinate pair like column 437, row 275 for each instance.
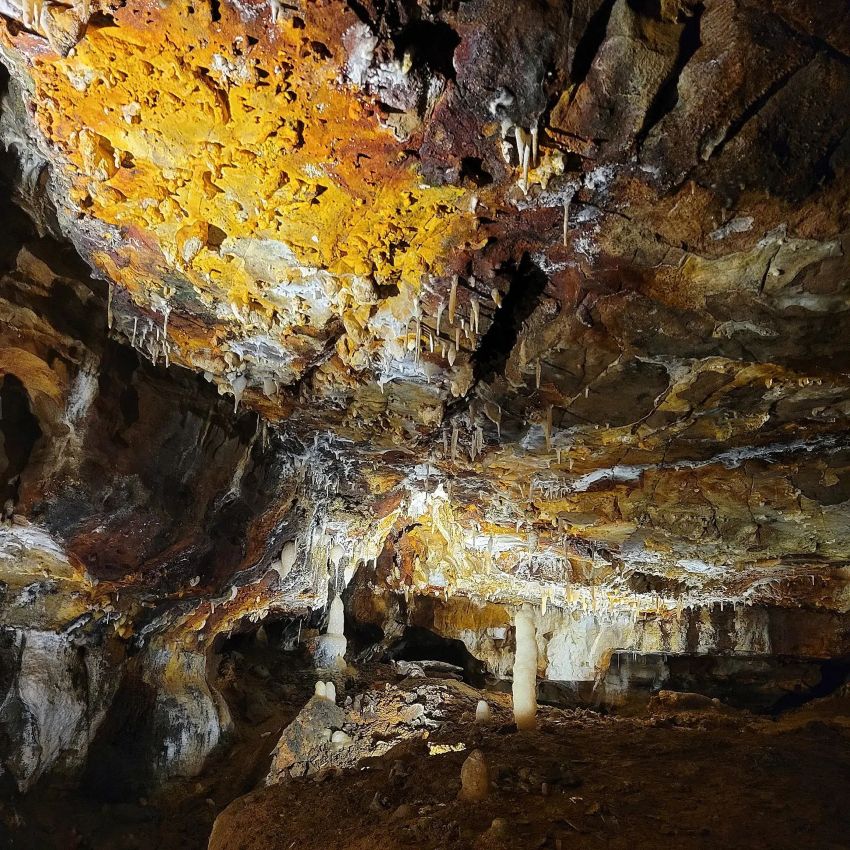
column 514, row 301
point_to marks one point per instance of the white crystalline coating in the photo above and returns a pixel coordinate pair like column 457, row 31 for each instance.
column 736, row 225
column 340, row 737
column 482, row 712
column 525, row 672
column 360, row 43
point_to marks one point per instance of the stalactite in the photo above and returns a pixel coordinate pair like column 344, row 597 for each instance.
column 165, row 314
column 453, row 300
column 417, row 314
column 526, row 162
column 521, row 142
column 239, row 386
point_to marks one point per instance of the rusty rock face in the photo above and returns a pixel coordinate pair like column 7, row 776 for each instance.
column 458, row 305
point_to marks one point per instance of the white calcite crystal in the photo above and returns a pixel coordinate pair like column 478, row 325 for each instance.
column 330, row 650
column 525, row 672
column 482, row 712
column 341, row 738
column 474, row 777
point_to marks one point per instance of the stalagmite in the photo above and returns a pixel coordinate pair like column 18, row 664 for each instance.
column 482, row 712
column 320, row 690
column 525, row 672
column 330, row 649
column 474, row 778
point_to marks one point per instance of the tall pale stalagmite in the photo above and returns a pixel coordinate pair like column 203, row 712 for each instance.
column 330, row 651
column 525, row 672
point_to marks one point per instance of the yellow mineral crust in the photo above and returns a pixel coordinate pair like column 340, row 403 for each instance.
column 231, row 156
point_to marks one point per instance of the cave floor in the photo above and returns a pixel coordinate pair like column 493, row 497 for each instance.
column 682, row 774
column 674, row 782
